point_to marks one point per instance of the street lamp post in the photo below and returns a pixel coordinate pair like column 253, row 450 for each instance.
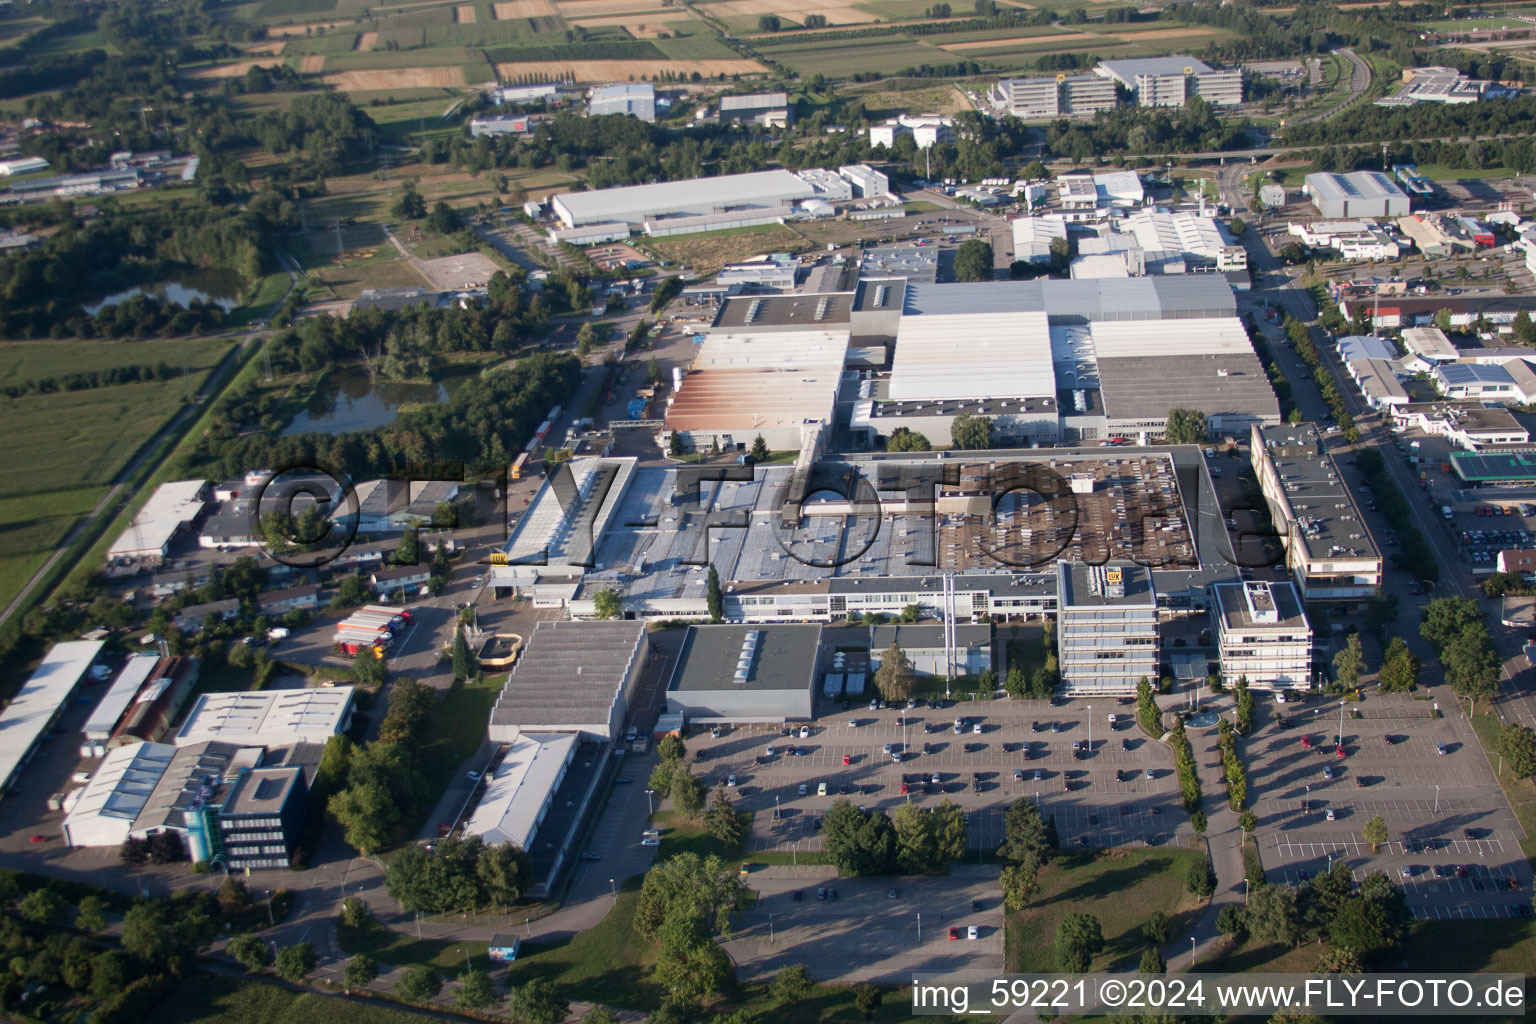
column 270, row 921
column 614, row 886
column 794, row 853
column 1341, row 723
column 650, row 801
column 1437, row 799
column 770, row 928
column 1090, row 730
column 1191, row 950
column 775, row 807
column 919, row 929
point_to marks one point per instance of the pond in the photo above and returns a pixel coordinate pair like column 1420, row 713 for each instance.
column 350, row 400
column 221, row 287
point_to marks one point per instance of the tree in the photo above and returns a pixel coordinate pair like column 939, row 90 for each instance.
column 1200, row 879
column 1364, row 926
column 1078, row 940
column 675, row 444
column 722, row 821
column 1247, row 821
column 1273, row 914
column 1517, row 745
column 295, row 961
column 1026, row 837
column 1525, row 329
column 1185, row 426
column 606, row 604
column 713, row 599
column 689, row 965
column 1339, row 960
column 504, row 874
column 971, row 432
column 360, row 972
column 866, row 999
column 768, row 23
column 760, row 452
column 1015, row 683
column 859, row 842
column 110, row 973
column 42, row 907
column 986, row 8
column 252, row 953
column 1229, row 921
column 91, row 916
column 904, row 440
column 926, row 841
column 1399, row 668
column 1349, row 663
column 687, row 792
column 687, row 883
column 671, row 748
column 1152, row 962
column 600, row 1015
column 233, row 898
column 476, row 991
column 973, row 261
column 1021, row 884
column 463, row 661
column 791, row 984
column 1156, row 929
column 1374, row 832
column 409, row 205
column 418, row 984
column 894, row 678
column 1443, row 319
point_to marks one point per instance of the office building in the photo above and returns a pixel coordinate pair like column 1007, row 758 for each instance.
column 1328, row 547
column 1442, row 85
column 925, row 649
column 1052, row 96
column 1262, row 634
column 925, row 130
column 253, row 822
column 1172, row 81
column 867, row 182
column 1106, row 627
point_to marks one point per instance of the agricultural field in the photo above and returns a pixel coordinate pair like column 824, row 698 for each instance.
column 708, row 251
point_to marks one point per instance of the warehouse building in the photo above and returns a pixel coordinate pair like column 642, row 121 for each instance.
column 572, row 677
column 1328, row 548
column 1106, row 627
column 120, row 787
column 1351, row 239
column 867, row 182
column 634, row 205
column 173, row 507
column 637, row 99
column 924, row 647
column 1173, row 81
column 764, row 383
column 36, row 706
column 745, row 674
column 829, row 185
column 533, row 92
column 1469, row 425
column 1355, row 194
column 1051, row 96
column 1463, row 381
column 1262, row 634
column 109, row 710
column 1427, row 348
column 1033, row 236
column 1377, row 380
column 270, row 718
column 767, row 109
column 520, row 791
column 1442, row 85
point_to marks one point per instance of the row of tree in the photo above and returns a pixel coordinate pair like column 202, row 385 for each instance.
column 381, row 791
column 911, row 840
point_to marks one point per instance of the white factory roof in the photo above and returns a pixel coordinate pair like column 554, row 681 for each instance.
column 1100, row 265
column 1032, row 236
column 1429, row 342
column 553, row 530
column 172, row 505
column 743, row 380
column 118, row 791
column 518, row 793
column 1378, row 381
column 1119, row 187
column 1002, row 355
column 117, row 698
column 30, row 712
column 1353, row 185
column 1118, row 339
column 1156, row 231
column 1365, row 346
column 638, row 202
column 755, row 101
column 268, row 718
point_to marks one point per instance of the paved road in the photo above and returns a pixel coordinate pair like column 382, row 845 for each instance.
column 1359, row 81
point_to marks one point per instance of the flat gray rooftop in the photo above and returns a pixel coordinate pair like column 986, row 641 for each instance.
column 1146, row 387
column 783, row 659
column 1078, row 590
column 754, row 312
column 569, row 673
column 1240, row 601
column 1330, row 521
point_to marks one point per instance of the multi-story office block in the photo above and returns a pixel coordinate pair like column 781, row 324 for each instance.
column 1106, row 632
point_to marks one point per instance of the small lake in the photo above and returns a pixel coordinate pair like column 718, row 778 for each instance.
column 349, row 400
column 221, row 287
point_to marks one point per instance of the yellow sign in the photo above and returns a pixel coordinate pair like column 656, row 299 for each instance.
column 498, row 558
column 1112, row 575
column 1060, row 78
column 1189, row 71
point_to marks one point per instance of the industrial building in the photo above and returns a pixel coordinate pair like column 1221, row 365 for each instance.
column 572, row 677
column 1328, row 547
column 1377, row 380
column 1442, row 85
column 925, row 648
column 1475, row 381
column 118, row 791
column 1355, row 194
column 1051, row 96
column 637, row 99
column 634, row 205
column 253, row 822
column 1158, row 242
column 1472, row 426
column 767, row 109
column 829, row 185
column 1417, row 311
column 1427, row 348
column 518, row 793
column 36, row 706
column 1172, row 81
column 125, row 687
column 268, row 718
column 1359, row 239
column 745, row 673
column 1106, row 627
column 1087, row 193
column 509, row 124
column 22, row 165
column 1262, row 634
column 173, row 507
column 1033, row 236
column 533, row 92
column 867, row 182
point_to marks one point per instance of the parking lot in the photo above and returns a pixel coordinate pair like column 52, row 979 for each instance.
column 1448, row 823
column 872, row 929
column 1103, row 798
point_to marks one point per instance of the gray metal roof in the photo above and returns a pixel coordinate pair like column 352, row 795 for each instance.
column 261, row 791
column 734, row 191
column 1353, row 185
column 1461, row 374
column 911, row 637
column 570, row 673
column 1077, row 590
column 784, row 658
column 1065, row 301
column 1175, row 65
column 1146, row 387
column 754, row 101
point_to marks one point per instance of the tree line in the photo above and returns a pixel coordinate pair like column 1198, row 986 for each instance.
column 90, row 379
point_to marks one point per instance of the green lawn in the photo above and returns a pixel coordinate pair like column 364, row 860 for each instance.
column 606, row 963
column 1521, row 793
column 400, row 948
column 457, row 729
column 32, row 526
column 1122, row 888
column 22, row 361
column 213, row 999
